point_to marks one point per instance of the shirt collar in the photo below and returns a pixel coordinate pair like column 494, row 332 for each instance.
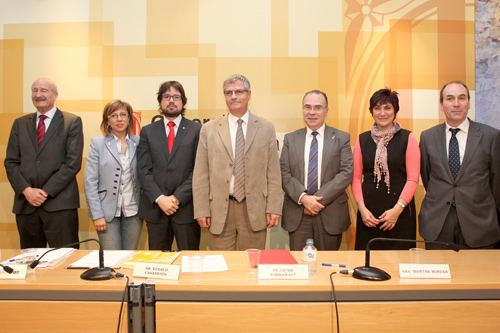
column 49, row 114
column 232, row 119
column 321, row 130
column 116, row 139
column 464, row 126
column 177, row 121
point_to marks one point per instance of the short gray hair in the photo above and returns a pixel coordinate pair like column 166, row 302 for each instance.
column 234, row 78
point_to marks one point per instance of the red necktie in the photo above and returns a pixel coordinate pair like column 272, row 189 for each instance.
column 40, row 130
column 171, row 136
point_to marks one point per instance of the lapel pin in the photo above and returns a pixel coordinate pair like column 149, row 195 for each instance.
column 109, row 143
column 333, row 137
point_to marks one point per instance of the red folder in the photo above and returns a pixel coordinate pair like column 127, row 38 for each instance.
column 276, row 257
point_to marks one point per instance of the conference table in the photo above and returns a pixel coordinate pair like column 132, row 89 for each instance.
column 56, row 299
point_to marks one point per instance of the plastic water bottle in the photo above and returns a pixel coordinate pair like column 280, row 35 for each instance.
column 309, row 256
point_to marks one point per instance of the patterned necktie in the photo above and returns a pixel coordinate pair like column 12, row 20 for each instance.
column 312, row 174
column 239, row 165
column 171, row 136
column 454, row 153
column 40, row 130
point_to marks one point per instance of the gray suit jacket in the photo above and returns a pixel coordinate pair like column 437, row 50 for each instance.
column 476, row 189
column 167, row 174
column 52, row 166
column 103, row 173
column 336, row 175
column 214, row 168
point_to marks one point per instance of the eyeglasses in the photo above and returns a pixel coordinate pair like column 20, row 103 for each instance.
column 239, row 92
column 115, row 116
column 174, row 97
column 317, row 108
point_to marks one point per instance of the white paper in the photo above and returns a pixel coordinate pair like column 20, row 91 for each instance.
column 283, row 272
column 156, row 271
column 50, row 259
column 424, row 271
column 111, row 259
column 211, row 263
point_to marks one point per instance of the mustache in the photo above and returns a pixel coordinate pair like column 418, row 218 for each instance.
column 37, row 99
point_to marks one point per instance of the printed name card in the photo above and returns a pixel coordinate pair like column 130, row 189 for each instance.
column 19, row 272
column 156, row 271
column 283, row 272
column 424, row 271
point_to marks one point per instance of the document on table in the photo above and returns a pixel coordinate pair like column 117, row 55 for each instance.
column 211, row 263
column 50, row 259
column 111, row 259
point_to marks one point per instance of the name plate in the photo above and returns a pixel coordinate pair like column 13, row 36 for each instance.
column 156, row 271
column 283, row 272
column 19, row 272
column 424, row 271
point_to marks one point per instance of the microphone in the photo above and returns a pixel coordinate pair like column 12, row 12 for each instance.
column 368, row 272
column 96, row 273
column 8, row 269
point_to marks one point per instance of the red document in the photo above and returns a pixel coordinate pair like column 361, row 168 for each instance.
column 276, row 257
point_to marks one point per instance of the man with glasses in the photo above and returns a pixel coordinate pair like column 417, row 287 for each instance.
column 44, row 154
column 236, row 181
column 166, row 155
column 316, row 168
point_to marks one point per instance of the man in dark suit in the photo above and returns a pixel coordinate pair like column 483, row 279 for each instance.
column 44, row 154
column 166, row 155
column 460, row 169
column 316, row 168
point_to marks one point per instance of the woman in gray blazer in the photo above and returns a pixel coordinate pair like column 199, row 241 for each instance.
column 110, row 180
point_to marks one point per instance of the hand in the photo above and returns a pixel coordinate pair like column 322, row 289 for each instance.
column 204, row 222
column 100, row 225
column 312, row 204
column 390, row 217
column 368, row 219
column 272, row 220
column 35, row 196
column 168, row 205
column 308, row 212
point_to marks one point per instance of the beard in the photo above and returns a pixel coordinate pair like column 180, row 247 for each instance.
column 171, row 112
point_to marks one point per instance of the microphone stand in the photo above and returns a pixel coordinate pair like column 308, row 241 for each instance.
column 371, row 273
column 96, row 273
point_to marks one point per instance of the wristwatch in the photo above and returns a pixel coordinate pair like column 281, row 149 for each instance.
column 401, row 204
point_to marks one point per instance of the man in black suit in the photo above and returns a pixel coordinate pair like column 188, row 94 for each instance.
column 44, row 154
column 166, row 155
column 460, row 169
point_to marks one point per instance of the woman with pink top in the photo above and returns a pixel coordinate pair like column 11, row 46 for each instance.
column 386, row 171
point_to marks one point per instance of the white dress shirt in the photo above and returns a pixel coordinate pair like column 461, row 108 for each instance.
column 126, row 193
column 49, row 115
column 307, row 148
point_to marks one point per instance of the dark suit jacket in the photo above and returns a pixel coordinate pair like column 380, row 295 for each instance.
column 167, row 174
column 52, row 166
column 336, row 175
column 476, row 189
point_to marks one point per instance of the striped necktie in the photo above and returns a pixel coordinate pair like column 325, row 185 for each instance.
column 312, row 174
column 239, row 164
column 40, row 130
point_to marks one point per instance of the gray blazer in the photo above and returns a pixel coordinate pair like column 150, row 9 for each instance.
column 336, row 175
column 103, row 173
column 476, row 189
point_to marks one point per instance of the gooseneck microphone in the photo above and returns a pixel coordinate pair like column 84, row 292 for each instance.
column 96, row 273
column 368, row 272
column 8, row 269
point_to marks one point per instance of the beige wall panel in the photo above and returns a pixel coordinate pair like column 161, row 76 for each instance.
column 129, row 19
column 172, row 22
column 306, row 20
column 239, row 28
column 12, row 63
column 132, row 61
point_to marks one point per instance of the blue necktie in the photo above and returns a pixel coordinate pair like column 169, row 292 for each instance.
column 312, row 174
column 454, row 153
